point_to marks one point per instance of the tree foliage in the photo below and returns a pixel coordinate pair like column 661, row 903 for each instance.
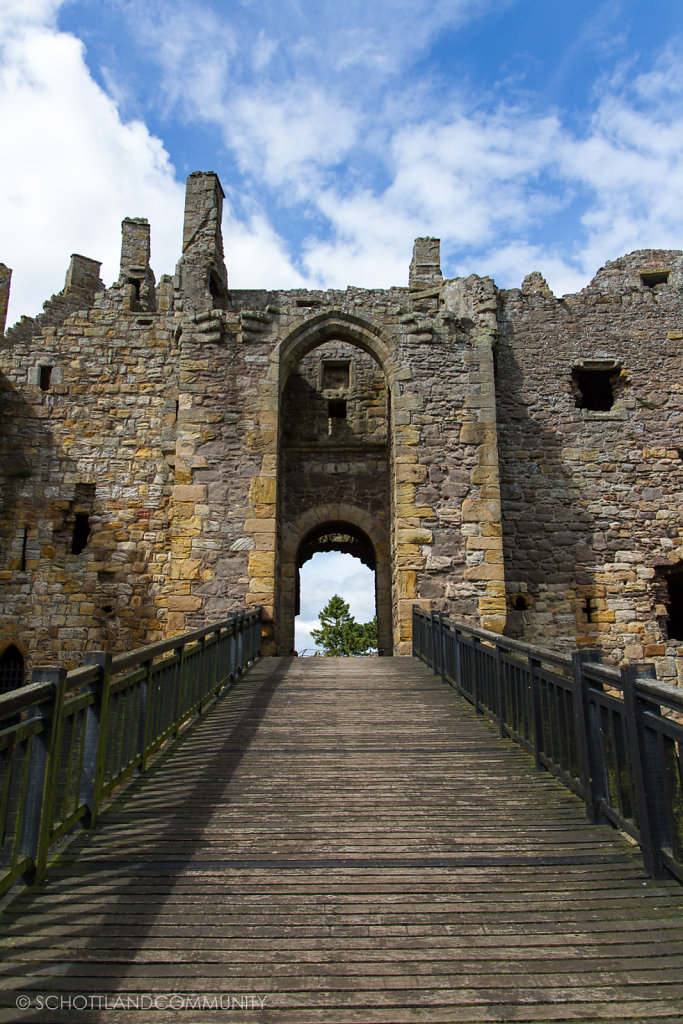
column 340, row 636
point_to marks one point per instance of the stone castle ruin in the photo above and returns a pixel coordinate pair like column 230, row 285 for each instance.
column 173, row 451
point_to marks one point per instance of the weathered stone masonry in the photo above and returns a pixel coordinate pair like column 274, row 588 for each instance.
column 173, row 451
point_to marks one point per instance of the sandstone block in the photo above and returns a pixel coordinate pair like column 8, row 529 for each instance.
column 480, row 510
column 178, row 603
column 414, row 536
column 484, row 572
column 189, row 492
column 263, row 490
column 186, row 569
column 262, row 564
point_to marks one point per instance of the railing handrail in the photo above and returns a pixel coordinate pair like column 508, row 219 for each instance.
column 69, row 739
column 606, row 733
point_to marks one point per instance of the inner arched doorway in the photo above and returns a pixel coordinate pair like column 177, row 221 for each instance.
column 347, row 538
column 347, row 529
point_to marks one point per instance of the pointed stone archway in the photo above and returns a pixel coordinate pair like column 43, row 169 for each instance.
column 335, row 527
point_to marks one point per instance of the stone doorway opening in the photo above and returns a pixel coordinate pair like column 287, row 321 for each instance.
column 348, row 534
column 336, row 558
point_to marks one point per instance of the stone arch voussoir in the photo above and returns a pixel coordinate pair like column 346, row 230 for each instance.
column 335, row 325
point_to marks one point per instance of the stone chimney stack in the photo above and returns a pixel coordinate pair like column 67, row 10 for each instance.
column 5, row 279
column 425, row 266
column 135, row 276
column 83, row 278
column 203, row 277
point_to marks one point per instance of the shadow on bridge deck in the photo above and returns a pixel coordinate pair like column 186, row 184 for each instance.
column 344, row 841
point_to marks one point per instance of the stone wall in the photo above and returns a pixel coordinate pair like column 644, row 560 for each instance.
column 171, row 451
column 592, row 498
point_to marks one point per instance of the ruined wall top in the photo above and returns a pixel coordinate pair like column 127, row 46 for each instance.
column 425, row 266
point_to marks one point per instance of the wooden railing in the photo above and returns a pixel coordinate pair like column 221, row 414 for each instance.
column 615, row 738
column 69, row 739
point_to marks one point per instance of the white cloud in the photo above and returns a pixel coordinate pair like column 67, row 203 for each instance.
column 630, row 166
column 264, row 50
column 14, row 13
column 71, row 170
column 256, row 257
column 487, row 184
column 468, row 181
column 511, row 262
column 194, row 47
column 285, row 136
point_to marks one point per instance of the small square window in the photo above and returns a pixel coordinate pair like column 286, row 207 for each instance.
column 336, row 373
column 45, row 377
column 594, row 389
column 336, row 409
column 651, row 278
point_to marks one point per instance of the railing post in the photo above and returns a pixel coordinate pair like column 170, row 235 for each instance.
column 239, row 627
column 537, row 710
column 96, row 735
column 204, row 670
column 143, row 724
column 416, row 653
column 251, row 637
column 421, row 634
column 587, row 721
column 442, row 648
column 259, row 631
column 500, row 686
column 223, row 656
column 648, row 773
column 476, row 669
column 179, row 653
column 458, row 660
column 436, row 645
column 233, row 648
column 42, row 772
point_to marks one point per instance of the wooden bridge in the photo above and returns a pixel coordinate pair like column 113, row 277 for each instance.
column 344, row 840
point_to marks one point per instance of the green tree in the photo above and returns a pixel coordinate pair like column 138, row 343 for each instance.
column 340, row 636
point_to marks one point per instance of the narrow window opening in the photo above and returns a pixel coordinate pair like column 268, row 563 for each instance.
column 24, row 544
column 81, row 532
column 45, row 378
column 336, row 409
column 11, row 669
column 217, row 291
column 589, row 609
column 595, row 390
column 674, row 606
column 134, row 283
column 651, row 278
column 520, row 602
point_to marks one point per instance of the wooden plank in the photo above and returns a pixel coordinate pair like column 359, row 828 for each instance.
column 349, row 842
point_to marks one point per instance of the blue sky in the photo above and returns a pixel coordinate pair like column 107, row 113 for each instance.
column 526, row 134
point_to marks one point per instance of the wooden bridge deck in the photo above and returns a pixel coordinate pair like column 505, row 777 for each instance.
column 344, row 841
